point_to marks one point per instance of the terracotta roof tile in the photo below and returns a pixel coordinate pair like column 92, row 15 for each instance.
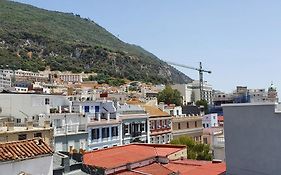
column 196, row 167
column 23, row 149
column 122, row 155
column 154, row 111
column 153, row 169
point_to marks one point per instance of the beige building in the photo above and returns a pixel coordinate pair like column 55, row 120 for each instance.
column 9, row 132
column 182, row 124
column 190, row 125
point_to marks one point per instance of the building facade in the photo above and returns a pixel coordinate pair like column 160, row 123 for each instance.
column 103, row 125
column 160, row 124
column 134, row 121
column 5, row 80
column 186, row 92
column 210, row 120
column 252, row 143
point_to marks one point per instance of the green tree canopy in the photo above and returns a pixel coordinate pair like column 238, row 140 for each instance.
column 196, row 151
column 170, row 96
column 203, row 103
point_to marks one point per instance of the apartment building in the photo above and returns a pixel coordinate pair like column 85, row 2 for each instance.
column 134, row 122
column 5, row 80
column 21, row 75
column 70, row 132
column 160, row 124
column 210, row 120
column 184, row 125
column 103, row 125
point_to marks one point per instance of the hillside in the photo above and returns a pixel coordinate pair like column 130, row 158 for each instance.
column 33, row 38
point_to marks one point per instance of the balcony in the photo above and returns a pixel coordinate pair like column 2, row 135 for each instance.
column 136, row 134
column 69, row 129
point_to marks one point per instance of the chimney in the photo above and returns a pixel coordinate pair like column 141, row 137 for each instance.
column 29, row 125
column 10, row 126
column 46, row 124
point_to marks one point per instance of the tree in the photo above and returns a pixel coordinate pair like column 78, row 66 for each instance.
column 196, row 151
column 170, row 96
column 203, row 103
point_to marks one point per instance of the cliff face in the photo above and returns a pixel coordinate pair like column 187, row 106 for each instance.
column 33, row 38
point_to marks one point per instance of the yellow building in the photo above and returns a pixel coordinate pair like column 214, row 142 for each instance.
column 10, row 132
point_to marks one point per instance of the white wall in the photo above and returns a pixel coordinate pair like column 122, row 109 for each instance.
column 30, row 104
column 210, row 120
column 36, row 166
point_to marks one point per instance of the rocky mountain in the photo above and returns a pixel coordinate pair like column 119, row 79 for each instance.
column 32, row 38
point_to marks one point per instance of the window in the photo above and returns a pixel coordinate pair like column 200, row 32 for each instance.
column 187, row 124
column 95, row 134
column 97, row 109
column 87, row 108
column 158, row 124
column 205, row 140
column 195, row 124
column 142, row 127
column 47, row 101
column 38, row 134
column 22, row 137
column 214, row 117
column 126, row 129
column 179, row 126
column 163, row 139
column 152, row 124
column 204, row 125
column 178, row 113
column 18, row 120
column 105, row 133
column 114, row 131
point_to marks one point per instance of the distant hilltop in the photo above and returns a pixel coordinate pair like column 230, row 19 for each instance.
column 33, row 38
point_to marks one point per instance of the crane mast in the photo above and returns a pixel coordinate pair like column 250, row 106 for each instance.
column 200, row 70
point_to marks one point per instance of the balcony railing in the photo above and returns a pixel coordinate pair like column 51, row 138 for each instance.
column 136, row 134
column 69, row 129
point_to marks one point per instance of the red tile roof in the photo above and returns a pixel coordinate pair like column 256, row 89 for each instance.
column 196, row 167
column 153, row 169
column 122, row 155
column 23, row 149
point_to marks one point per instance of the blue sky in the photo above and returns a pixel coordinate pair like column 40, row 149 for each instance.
column 239, row 41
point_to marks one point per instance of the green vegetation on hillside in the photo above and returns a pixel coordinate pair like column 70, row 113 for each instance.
column 33, row 38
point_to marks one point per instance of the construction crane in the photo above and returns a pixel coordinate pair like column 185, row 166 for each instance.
column 200, row 70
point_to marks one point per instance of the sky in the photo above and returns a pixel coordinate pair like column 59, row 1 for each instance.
column 239, row 41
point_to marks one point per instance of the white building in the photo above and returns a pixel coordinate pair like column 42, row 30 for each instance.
column 103, row 125
column 69, row 125
column 186, row 92
column 32, row 156
column 252, row 138
column 210, row 120
column 207, row 91
column 5, row 80
column 22, row 107
column 191, row 92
